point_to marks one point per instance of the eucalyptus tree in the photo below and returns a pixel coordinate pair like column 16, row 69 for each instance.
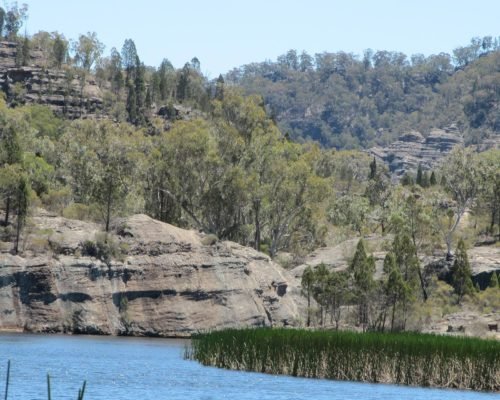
column 11, row 155
column 87, row 49
column 14, row 19
column 463, row 181
column 489, row 194
column 101, row 159
column 307, row 284
column 396, row 289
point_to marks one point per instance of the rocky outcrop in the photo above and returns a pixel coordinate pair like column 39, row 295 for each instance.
column 413, row 149
column 484, row 261
column 165, row 282
column 66, row 93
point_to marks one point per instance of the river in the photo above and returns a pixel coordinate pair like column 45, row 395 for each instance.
column 142, row 369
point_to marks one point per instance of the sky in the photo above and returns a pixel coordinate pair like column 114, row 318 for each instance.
column 224, row 34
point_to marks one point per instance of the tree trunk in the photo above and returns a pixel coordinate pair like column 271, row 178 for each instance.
column 393, row 315
column 449, row 235
column 308, row 309
column 108, row 210
column 7, row 211
column 18, row 234
column 256, row 207
column 422, row 284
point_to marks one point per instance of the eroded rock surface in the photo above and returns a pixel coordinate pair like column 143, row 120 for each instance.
column 166, row 284
column 66, row 93
column 413, row 149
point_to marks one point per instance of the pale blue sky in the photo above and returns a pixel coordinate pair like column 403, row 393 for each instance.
column 224, row 34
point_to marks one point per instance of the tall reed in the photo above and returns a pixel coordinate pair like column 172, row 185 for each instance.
column 403, row 358
column 81, row 391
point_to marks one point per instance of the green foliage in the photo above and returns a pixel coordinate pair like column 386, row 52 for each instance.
column 21, row 205
column 14, row 19
column 409, row 359
column 488, row 201
column 44, row 121
column 461, row 272
column 350, row 211
column 78, row 211
column 493, row 280
column 362, row 268
column 209, row 240
column 60, row 48
column 100, row 159
column 463, row 180
column 87, row 50
column 104, row 248
column 307, row 283
column 433, row 180
column 360, row 101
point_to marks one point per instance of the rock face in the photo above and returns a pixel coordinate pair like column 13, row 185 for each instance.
column 413, row 149
column 64, row 92
column 167, row 284
column 484, row 260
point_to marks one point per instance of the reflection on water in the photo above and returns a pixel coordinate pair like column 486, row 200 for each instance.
column 133, row 368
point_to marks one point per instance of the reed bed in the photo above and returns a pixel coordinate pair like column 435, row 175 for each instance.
column 402, row 358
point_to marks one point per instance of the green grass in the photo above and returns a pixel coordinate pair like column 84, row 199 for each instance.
column 403, row 358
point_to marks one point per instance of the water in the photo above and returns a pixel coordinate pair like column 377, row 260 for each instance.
column 142, row 369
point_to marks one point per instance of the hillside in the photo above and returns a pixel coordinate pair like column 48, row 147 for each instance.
column 98, row 140
column 347, row 101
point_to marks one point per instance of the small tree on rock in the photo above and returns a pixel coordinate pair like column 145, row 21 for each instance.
column 461, row 273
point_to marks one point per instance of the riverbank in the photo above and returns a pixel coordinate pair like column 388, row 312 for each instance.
column 407, row 358
column 149, row 369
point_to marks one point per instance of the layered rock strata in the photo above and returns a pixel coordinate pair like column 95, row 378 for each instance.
column 412, row 149
column 66, row 93
column 167, row 283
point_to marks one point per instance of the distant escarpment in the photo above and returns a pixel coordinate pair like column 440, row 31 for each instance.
column 166, row 282
column 67, row 93
column 412, row 149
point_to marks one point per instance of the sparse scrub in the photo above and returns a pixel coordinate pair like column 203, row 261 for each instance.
column 104, row 248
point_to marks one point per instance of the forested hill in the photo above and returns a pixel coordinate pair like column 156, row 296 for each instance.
column 347, row 101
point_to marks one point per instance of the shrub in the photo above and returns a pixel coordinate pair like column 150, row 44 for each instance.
column 104, row 248
column 209, row 240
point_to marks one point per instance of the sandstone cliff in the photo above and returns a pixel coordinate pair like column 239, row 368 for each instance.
column 167, row 283
column 412, row 149
column 65, row 92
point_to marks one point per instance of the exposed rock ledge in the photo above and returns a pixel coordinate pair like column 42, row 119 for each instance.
column 169, row 284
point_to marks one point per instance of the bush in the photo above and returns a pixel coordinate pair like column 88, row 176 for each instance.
column 104, row 248
column 78, row 211
column 57, row 200
column 209, row 240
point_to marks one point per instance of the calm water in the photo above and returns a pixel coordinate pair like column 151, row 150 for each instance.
column 127, row 368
